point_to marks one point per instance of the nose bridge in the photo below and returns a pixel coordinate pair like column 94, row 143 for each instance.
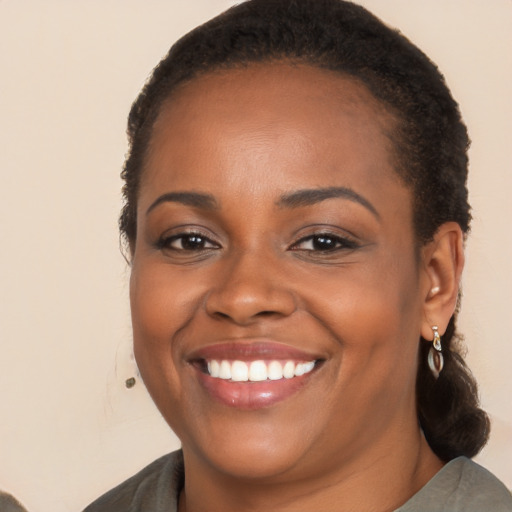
column 250, row 285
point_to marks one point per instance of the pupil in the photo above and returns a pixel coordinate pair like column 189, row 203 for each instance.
column 193, row 242
column 323, row 243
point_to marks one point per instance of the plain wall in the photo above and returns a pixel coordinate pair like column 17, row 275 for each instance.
column 69, row 428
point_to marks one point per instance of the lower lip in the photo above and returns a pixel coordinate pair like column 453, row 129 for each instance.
column 252, row 395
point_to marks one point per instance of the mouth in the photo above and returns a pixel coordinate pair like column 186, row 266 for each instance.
column 253, row 375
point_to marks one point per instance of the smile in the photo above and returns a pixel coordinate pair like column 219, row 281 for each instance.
column 257, row 371
column 253, row 374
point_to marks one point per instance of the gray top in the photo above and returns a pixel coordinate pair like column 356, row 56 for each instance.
column 10, row 504
column 460, row 486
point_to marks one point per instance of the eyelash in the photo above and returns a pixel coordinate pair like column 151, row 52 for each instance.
column 336, row 242
column 332, row 243
column 165, row 242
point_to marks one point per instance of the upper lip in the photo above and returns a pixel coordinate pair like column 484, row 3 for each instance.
column 251, row 350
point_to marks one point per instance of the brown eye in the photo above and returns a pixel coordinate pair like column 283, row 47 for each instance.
column 324, row 242
column 187, row 242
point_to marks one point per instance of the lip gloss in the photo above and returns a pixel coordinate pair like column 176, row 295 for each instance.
column 251, row 395
column 252, row 374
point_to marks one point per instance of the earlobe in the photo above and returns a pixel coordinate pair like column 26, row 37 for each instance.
column 443, row 261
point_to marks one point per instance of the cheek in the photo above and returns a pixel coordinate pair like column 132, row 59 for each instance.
column 156, row 314
column 160, row 301
column 375, row 315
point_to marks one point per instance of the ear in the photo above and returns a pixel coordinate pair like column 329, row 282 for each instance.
column 442, row 264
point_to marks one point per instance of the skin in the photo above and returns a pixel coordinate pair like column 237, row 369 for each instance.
column 248, row 138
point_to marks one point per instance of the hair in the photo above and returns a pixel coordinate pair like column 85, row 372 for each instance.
column 429, row 138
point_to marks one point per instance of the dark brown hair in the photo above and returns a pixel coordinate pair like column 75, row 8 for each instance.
column 430, row 143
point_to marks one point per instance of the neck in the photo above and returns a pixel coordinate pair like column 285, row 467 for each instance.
column 380, row 480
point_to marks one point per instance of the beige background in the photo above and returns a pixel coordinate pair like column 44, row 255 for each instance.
column 69, row 429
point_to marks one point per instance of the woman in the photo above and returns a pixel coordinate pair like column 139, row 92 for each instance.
column 296, row 207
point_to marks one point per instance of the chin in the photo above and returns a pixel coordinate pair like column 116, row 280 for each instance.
column 252, row 462
column 250, row 449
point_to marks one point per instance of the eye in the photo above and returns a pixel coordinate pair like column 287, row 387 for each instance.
column 187, row 242
column 324, row 242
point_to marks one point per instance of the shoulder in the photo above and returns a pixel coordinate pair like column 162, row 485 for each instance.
column 479, row 488
column 9, row 504
column 154, row 488
column 462, row 485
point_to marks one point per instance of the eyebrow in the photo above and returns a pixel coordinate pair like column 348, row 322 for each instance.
column 309, row 197
column 195, row 199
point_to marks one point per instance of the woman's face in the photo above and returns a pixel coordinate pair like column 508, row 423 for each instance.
column 274, row 237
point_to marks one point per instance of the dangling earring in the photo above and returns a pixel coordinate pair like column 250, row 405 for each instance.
column 129, row 383
column 435, row 356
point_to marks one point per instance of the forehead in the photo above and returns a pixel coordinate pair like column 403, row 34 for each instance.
column 270, row 118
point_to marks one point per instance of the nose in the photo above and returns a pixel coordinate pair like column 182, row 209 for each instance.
column 248, row 289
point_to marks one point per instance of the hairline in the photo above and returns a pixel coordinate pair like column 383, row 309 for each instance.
column 393, row 117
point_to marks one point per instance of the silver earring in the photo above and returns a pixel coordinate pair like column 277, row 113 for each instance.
column 435, row 355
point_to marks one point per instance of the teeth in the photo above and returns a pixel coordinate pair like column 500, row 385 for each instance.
column 289, row 370
column 299, row 370
column 275, row 370
column 225, row 370
column 239, row 371
column 214, row 368
column 309, row 366
column 257, row 371
column 303, row 368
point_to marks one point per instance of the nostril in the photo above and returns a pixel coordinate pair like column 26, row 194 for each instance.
column 267, row 313
column 250, row 318
column 221, row 315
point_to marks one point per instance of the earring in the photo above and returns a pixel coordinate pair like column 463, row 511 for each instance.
column 434, row 291
column 435, row 356
column 129, row 383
